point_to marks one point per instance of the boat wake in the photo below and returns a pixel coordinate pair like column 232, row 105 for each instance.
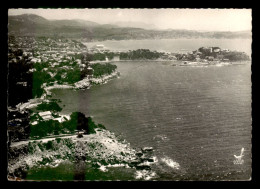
column 169, row 162
column 145, row 174
column 160, row 137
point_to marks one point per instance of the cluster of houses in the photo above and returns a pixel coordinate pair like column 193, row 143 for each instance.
column 30, row 50
column 204, row 54
column 46, row 49
column 98, row 49
column 47, row 115
column 42, row 50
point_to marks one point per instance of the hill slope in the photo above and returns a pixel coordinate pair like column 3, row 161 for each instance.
column 33, row 25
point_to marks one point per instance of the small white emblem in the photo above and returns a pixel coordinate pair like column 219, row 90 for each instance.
column 239, row 159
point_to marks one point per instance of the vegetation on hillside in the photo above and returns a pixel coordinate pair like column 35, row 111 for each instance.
column 236, row 56
column 103, row 69
column 49, row 106
column 140, row 54
column 78, row 122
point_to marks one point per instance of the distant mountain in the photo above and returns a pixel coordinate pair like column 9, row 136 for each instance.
column 33, row 25
column 135, row 25
column 75, row 22
column 30, row 18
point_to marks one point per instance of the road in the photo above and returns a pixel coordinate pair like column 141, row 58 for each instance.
column 15, row 144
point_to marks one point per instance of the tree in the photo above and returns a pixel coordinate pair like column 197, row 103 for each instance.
column 52, row 106
column 81, row 122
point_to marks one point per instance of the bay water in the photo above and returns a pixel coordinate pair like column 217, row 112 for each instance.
column 195, row 118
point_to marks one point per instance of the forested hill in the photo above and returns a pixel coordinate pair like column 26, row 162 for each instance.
column 33, row 25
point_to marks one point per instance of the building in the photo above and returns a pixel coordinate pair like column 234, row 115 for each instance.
column 116, row 58
column 225, row 60
column 46, row 115
column 211, row 58
column 24, row 84
column 225, row 50
column 216, row 50
column 99, row 46
column 35, row 60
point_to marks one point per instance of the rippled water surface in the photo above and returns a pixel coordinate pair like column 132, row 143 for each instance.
column 195, row 118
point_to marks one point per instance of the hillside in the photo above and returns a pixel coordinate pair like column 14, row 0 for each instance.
column 33, row 25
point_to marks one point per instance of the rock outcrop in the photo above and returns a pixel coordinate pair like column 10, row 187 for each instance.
column 99, row 150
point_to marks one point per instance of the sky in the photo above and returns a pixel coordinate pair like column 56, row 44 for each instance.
column 190, row 19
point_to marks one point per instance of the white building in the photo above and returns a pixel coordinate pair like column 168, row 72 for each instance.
column 46, row 115
column 116, row 58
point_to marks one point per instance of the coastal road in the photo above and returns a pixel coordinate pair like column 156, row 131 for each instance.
column 15, row 144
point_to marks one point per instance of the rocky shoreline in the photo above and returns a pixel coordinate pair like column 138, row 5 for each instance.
column 86, row 83
column 101, row 150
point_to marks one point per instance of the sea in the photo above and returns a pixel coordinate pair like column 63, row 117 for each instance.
column 195, row 118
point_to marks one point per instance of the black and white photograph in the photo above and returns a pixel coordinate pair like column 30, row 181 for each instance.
column 120, row 94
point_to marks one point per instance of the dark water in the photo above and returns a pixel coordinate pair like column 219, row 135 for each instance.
column 199, row 117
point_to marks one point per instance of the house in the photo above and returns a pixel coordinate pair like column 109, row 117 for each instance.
column 14, row 60
column 216, row 49
column 225, row 50
column 19, row 57
column 55, row 64
column 70, row 53
column 78, row 61
column 225, row 60
column 99, row 46
column 116, row 58
column 44, row 59
column 82, row 65
column 62, row 118
column 32, row 70
column 59, row 119
column 211, row 58
column 90, row 69
column 22, row 83
column 90, row 72
column 34, row 60
column 172, row 57
column 35, row 123
column 46, row 115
